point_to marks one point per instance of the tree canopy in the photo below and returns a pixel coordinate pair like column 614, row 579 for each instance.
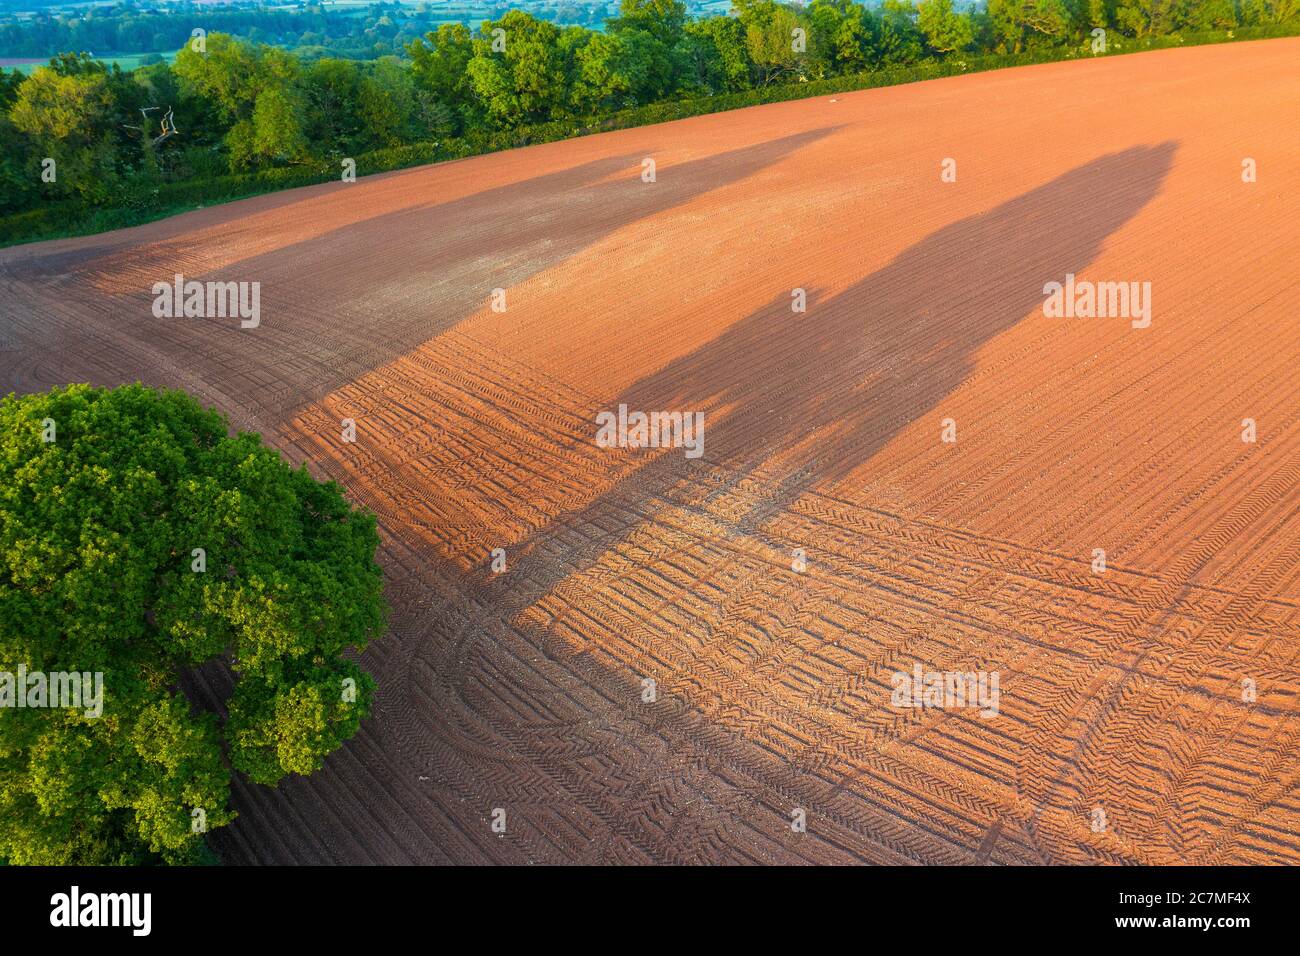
column 140, row 540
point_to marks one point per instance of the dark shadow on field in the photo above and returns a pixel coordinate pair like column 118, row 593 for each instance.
column 422, row 269
column 829, row 388
column 51, row 256
column 479, row 707
column 795, row 402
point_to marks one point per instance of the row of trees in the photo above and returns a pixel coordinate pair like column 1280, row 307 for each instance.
column 77, row 129
column 126, row 29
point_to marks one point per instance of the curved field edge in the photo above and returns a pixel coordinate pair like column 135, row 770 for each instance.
column 68, row 220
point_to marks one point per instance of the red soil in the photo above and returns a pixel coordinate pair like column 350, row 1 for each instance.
column 1120, row 691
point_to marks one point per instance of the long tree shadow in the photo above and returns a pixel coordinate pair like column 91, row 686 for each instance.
column 808, row 398
column 794, row 402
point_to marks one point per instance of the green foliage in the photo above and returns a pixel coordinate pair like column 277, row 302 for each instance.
column 518, row 74
column 1201, row 15
column 1266, row 12
column 895, row 39
column 1146, row 17
column 945, row 31
column 229, row 75
column 98, row 531
column 621, row 69
column 332, row 95
column 63, row 109
column 277, row 129
column 662, row 19
column 838, row 38
column 1018, row 22
column 19, row 170
column 67, row 115
column 254, row 89
column 717, row 60
column 244, row 117
column 347, row 31
column 386, row 106
column 769, row 38
column 439, row 66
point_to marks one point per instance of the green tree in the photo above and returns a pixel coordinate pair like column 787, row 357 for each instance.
column 1086, row 14
column 140, row 540
column 332, row 91
column 9, row 84
column 228, row 74
column 277, row 126
column 19, row 164
column 158, row 90
column 837, row 37
column 945, row 30
column 1257, row 12
column 1146, row 17
column 621, row 69
column 525, row 79
column 1199, row 15
column 895, row 39
column 1019, row 23
column 386, row 103
column 254, row 92
column 69, row 118
column 665, row 20
column 715, row 54
column 769, row 38
column 439, row 65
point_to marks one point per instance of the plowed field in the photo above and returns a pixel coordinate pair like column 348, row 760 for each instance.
column 1125, row 691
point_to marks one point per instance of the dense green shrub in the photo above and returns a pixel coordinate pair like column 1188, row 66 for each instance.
column 140, row 540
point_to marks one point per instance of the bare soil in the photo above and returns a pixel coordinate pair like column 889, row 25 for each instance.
column 1120, row 691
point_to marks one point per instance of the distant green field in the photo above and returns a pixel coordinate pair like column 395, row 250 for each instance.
column 127, row 61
